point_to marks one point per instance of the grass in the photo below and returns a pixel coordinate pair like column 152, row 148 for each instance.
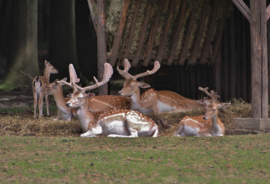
column 229, row 159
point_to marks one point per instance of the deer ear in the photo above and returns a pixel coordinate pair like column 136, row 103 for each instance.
column 223, row 105
column 144, row 85
column 89, row 95
column 46, row 63
column 68, row 95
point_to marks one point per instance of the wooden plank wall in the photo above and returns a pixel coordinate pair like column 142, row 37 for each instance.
column 231, row 76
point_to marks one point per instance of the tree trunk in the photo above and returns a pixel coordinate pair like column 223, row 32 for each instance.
column 23, row 44
column 62, row 46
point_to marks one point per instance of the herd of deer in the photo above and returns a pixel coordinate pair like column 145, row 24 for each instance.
column 123, row 116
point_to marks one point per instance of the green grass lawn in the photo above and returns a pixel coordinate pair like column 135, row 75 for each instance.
column 228, row 159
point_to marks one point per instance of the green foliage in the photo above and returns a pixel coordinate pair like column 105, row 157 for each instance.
column 229, row 159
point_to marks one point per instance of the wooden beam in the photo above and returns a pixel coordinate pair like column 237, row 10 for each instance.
column 256, row 51
column 142, row 33
column 210, row 32
column 243, row 8
column 198, row 36
column 165, row 32
column 91, row 4
column 264, row 66
column 152, row 35
column 219, row 34
column 101, row 44
column 177, row 32
column 187, row 35
column 118, row 35
column 132, row 29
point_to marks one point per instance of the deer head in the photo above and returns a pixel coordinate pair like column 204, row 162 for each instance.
column 212, row 105
column 50, row 68
column 212, row 109
column 54, row 86
column 131, row 84
column 78, row 97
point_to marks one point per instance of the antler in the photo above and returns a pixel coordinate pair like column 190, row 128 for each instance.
column 125, row 73
column 213, row 95
column 106, row 77
column 72, row 76
column 156, row 67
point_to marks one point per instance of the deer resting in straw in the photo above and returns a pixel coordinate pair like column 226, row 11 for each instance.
column 206, row 125
column 38, row 85
column 152, row 100
column 111, row 123
column 95, row 104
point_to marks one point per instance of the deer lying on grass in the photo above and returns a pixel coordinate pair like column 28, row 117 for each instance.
column 38, row 85
column 95, row 104
column 152, row 100
column 206, row 125
column 111, row 123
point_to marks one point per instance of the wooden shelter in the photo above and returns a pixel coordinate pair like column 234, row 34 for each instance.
column 207, row 42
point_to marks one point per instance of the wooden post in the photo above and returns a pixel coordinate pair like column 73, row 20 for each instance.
column 101, row 44
column 263, row 23
column 256, row 54
column 259, row 66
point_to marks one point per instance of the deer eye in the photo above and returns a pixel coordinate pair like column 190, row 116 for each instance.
column 79, row 98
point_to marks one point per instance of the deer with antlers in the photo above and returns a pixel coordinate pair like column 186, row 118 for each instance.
column 111, row 123
column 95, row 104
column 152, row 100
column 38, row 85
column 206, row 125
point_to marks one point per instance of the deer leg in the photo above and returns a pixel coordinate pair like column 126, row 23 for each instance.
column 35, row 104
column 47, row 104
column 93, row 132
column 40, row 105
column 179, row 131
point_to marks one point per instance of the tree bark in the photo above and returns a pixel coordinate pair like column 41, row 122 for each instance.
column 23, row 44
column 62, row 46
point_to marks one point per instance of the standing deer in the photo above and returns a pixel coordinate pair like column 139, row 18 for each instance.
column 38, row 85
column 152, row 100
column 206, row 125
column 95, row 104
column 111, row 123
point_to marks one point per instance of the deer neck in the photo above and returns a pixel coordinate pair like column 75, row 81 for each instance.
column 60, row 100
column 135, row 100
column 215, row 126
column 46, row 75
column 85, row 116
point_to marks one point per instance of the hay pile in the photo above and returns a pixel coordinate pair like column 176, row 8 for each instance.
column 23, row 123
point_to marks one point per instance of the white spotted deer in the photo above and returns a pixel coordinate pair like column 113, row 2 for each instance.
column 152, row 101
column 111, row 123
column 95, row 104
column 205, row 125
column 38, row 85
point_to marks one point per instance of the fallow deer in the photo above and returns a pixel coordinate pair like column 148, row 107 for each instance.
column 152, row 100
column 95, row 104
column 111, row 123
column 206, row 125
column 38, row 85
